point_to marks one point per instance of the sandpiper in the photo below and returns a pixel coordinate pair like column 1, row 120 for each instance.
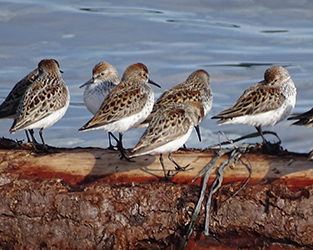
column 305, row 119
column 195, row 88
column 263, row 104
column 169, row 129
column 104, row 78
column 126, row 106
column 44, row 102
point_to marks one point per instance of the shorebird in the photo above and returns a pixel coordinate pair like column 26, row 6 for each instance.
column 104, row 78
column 44, row 102
column 126, row 106
column 195, row 88
column 305, row 119
column 263, row 104
column 169, row 128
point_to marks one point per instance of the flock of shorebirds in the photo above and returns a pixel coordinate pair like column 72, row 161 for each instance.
column 41, row 98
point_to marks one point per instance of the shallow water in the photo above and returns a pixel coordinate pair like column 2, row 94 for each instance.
column 234, row 41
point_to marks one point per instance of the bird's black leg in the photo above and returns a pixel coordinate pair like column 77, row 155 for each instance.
column 111, row 147
column 259, row 129
column 121, row 148
column 41, row 137
column 35, row 143
column 272, row 149
column 177, row 167
column 167, row 176
column 27, row 136
column 31, row 132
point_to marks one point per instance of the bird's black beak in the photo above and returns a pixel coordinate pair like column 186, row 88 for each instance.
column 87, row 83
column 153, row 83
column 198, row 132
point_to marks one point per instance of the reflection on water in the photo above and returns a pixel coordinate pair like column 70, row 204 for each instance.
column 233, row 41
column 244, row 65
column 274, row 31
column 130, row 11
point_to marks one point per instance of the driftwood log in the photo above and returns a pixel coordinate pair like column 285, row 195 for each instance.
column 87, row 198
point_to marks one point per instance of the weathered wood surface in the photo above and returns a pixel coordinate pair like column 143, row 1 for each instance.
column 87, row 198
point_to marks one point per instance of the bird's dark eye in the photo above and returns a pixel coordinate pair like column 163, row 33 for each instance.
column 102, row 73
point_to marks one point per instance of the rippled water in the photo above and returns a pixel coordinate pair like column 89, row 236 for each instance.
column 235, row 41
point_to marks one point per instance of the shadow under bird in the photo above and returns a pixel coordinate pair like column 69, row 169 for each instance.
column 263, row 104
column 168, row 130
column 104, row 78
column 44, row 102
column 126, row 106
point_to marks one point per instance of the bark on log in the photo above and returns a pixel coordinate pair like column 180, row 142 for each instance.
column 87, row 198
